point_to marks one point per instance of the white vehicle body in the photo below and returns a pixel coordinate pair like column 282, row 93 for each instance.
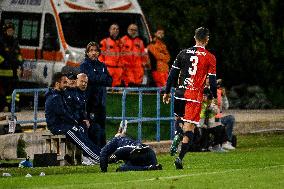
column 53, row 34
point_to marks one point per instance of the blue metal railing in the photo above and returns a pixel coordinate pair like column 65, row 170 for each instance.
column 123, row 117
column 35, row 119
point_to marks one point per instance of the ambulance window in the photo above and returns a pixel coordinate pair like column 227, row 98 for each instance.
column 81, row 28
column 30, row 30
column 27, row 26
column 50, row 41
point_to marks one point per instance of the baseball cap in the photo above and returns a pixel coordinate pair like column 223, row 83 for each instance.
column 71, row 76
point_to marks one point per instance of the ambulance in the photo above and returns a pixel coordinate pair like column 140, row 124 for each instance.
column 53, row 34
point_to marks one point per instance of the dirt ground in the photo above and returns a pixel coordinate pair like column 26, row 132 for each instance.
column 246, row 120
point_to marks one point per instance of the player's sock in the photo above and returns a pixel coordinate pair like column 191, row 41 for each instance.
column 184, row 149
column 185, row 146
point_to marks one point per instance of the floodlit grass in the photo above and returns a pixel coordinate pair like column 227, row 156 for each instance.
column 258, row 162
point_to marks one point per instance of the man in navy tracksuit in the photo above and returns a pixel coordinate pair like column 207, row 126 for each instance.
column 61, row 121
column 75, row 97
column 136, row 156
column 99, row 79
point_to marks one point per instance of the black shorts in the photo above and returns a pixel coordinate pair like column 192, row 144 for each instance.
column 179, row 107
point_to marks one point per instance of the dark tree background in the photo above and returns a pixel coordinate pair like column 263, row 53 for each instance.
column 247, row 38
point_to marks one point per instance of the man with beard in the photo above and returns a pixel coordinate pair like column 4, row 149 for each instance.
column 159, row 58
column 60, row 121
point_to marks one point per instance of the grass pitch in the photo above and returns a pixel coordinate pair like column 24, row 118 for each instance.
column 258, row 162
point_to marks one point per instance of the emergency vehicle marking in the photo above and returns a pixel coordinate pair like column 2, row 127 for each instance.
column 26, row 2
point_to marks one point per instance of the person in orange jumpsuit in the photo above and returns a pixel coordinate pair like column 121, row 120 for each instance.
column 110, row 54
column 133, row 57
column 159, row 58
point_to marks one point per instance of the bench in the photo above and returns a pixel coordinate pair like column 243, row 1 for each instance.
column 67, row 152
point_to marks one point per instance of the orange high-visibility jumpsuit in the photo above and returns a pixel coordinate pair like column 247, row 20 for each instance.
column 133, row 57
column 110, row 55
column 159, row 57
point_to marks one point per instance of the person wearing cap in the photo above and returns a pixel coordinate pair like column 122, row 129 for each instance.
column 136, row 155
column 10, row 65
column 75, row 98
column 61, row 121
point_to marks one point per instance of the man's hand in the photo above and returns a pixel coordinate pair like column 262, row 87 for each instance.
column 166, row 98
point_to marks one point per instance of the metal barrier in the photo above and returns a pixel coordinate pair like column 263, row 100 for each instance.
column 123, row 117
column 36, row 92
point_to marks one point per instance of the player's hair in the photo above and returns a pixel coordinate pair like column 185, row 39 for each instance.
column 201, row 34
column 56, row 78
column 116, row 24
column 92, row 44
column 82, row 75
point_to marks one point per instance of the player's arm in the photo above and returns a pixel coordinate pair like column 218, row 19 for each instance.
column 173, row 77
column 212, row 75
column 106, row 151
column 213, row 85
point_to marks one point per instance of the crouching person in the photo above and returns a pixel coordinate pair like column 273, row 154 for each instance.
column 136, row 156
column 61, row 121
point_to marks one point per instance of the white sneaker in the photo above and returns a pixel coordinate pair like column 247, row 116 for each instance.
column 87, row 161
column 228, row 146
column 123, row 128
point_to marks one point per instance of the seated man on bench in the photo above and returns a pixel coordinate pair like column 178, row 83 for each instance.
column 136, row 156
column 60, row 121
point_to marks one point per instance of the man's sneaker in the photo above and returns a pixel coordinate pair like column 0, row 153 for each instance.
column 87, row 161
column 123, row 127
column 178, row 163
column 155, row 167
column 228, row 146
column 175, row 143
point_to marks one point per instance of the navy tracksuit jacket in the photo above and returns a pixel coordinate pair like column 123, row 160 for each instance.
column 76, row 102
column 61, row 121
column 98, row 79
column 136, row 155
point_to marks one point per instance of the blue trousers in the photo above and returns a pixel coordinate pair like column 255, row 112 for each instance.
column 229, row 123
column 140, row 162
column 78, row 136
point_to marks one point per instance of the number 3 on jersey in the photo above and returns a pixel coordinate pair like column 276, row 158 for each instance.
column 192, row 70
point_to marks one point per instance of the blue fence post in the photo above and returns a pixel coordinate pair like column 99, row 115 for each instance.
column 158, row 130
column 140, row 116
column 35, row 109
column 172, row 114
column 13, row 103
column 123, row 114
